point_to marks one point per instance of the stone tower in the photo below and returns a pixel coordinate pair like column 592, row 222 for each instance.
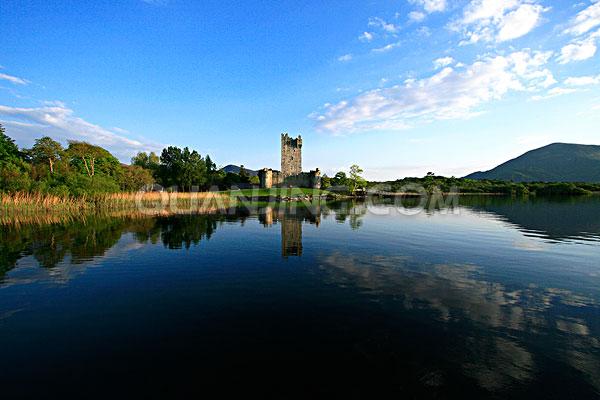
column 291, row 156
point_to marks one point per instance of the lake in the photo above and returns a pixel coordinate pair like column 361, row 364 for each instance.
column 495, row 297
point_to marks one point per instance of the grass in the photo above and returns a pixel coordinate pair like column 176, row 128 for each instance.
column 34, row 206
column 21, row 204
column 276, row 192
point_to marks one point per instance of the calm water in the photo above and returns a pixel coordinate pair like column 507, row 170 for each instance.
column 496, row 298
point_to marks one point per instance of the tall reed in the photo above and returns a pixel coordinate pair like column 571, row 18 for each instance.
column 19, row 205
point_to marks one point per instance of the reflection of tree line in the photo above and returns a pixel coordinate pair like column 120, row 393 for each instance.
column 555, row 218
column 92, row 237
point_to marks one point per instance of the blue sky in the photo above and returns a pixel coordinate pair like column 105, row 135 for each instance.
column 399, row 87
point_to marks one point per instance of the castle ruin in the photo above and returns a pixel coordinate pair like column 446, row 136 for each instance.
column 291, row 156
column 291, row 174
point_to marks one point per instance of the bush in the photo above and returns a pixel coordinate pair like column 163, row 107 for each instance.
column 14, row 176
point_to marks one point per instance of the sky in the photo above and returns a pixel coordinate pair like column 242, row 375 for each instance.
column 400, row 88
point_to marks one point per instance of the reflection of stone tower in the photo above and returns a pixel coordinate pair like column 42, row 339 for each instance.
column 266, row 216
column 291, row 156
column 291, row 237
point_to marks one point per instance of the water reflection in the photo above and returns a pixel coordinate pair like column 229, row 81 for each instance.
column 396, row 286
column 61, row 249
column 80, row 241
column 291, row 221
column 564, row 219
column 501, row 323
column 556, row 219
column 292, row 217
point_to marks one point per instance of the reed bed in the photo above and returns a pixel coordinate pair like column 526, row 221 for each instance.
column 36, row 206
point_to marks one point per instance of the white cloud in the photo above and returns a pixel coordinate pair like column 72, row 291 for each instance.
column 498, row 20
column 431, row 5
column 386, row 48
column 531, row 67
column 386, row 26
column 577, row 51
column 519, row 22
column 576, row 83
column 443, row 62
column 366, row 37
column 345, row 57
column 13, row 79
column 60, row 122
column 585, row 20
column 554, row 92
column 424, row 31
column 448, row 94
column 416, row 16
column 583, row 80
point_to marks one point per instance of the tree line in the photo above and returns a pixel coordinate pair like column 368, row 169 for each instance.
column 86, row 169
column 432, row 182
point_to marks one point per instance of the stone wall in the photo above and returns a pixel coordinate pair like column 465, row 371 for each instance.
column 269, row 178
column 310, row 179
column 291, row 156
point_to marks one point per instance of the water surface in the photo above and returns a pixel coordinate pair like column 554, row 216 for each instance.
column 495, row 298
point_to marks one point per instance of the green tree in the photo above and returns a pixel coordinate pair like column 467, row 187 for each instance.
column 182, row 168
column 15, row 173
column 325, row 182
column 8, row 149
column 194, row 170
column 356, row 180
column 229, row 179
column 212, row 175
column 171, row 165
column 244, row 176
column 46, row 150
column 211, row 167
column 339, row 179
column 87, row 153
column 146, row 160
column 135, row 177
column 15, row 176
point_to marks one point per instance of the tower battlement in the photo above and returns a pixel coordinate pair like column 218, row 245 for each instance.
column 291, row 155
column 291, row 174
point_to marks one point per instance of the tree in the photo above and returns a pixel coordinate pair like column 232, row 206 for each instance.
column 244, row 176
column 88, row 153
column 325, row 182
column 182, row 168
column 8, row 149
column 212, row 175
column 229, row 180
column 171, row 164
column 356, row 180
column 211, row 167
column 15, row 176
column 339, row 179
column 194, row 169
column 148, row 161
column 46, row 150
column 135, row 177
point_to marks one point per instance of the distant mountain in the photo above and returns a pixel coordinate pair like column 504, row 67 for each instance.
column 236, row 170
column 557, row 162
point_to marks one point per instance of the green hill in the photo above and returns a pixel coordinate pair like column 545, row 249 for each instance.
column 557, row 162
column 236, row 170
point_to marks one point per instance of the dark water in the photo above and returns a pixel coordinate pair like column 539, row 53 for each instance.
column 495, row 298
